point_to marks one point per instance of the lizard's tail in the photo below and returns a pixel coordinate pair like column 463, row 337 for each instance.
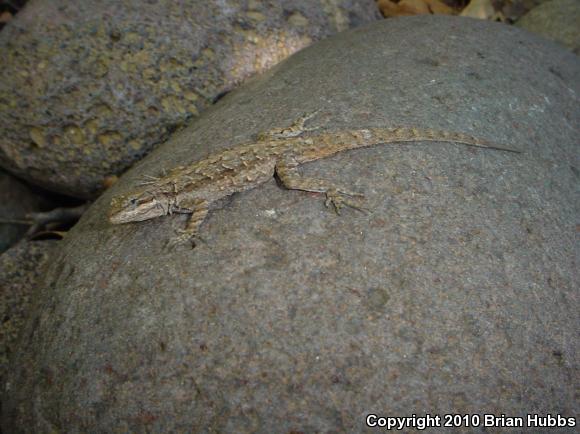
column 406, row 134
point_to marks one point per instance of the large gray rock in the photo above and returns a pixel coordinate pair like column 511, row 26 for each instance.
column 21, row 268
column 88, row 87
column 558, row 20
column 456, row 293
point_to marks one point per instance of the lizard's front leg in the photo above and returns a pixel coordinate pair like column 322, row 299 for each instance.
column 296, row 129
column 286, row 169
column 199, row 210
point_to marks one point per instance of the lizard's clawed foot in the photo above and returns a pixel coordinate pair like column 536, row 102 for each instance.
column 300, row 123
column 336, row 198
column 149, row 180
column 183, row 238
column 297, row 128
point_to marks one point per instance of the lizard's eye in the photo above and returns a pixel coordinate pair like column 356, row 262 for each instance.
column 133, row 201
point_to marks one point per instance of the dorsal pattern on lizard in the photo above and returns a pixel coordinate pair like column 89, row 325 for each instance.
column 193, row 189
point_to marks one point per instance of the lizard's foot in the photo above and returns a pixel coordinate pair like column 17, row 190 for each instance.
column 296, row 129
column 149, row 180
column 183, row 238
column 336, row 198
column 299, row 124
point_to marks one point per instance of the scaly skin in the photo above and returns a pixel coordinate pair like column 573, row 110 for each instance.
column 193, row 189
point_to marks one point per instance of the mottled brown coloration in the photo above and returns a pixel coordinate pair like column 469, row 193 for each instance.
column 193, row 189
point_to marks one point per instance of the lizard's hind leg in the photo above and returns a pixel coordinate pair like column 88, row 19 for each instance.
column 199, row 212
column 288, row 174
column 296, row 129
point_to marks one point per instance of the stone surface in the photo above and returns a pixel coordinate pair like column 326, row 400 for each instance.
column 456, row 293
column 515, row 10
column 16, row 200
column 87, row 88
column 21, row 267
column 558, row 20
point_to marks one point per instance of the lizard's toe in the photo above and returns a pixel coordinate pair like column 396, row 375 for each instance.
column 351, row 193
column 182, row 239
column 334, row 198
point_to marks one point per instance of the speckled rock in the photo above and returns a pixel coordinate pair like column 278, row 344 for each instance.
column 456, row 293
column 16, row 200
column 87, row 88
column 21, row 267
column 558, row 20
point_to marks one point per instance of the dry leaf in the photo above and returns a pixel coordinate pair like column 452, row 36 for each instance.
column 5, row 17
column 109, row 181
column 413, row 7
column 482, row 9
column 440, row 8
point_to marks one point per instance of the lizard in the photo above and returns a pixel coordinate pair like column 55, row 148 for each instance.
column 194, row 188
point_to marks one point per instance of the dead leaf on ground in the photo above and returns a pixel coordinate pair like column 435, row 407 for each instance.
column 391, row 8
column 5, row 17
column 109, row 181
column 482, row 9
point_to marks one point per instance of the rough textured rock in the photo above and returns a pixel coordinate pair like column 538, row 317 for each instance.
column 558, row 20
column 16, row 200
column 456, row 293
column 515, row 10
column 88, row 87
column 21, row 267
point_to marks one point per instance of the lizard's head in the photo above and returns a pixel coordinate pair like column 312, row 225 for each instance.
column 137, row 206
